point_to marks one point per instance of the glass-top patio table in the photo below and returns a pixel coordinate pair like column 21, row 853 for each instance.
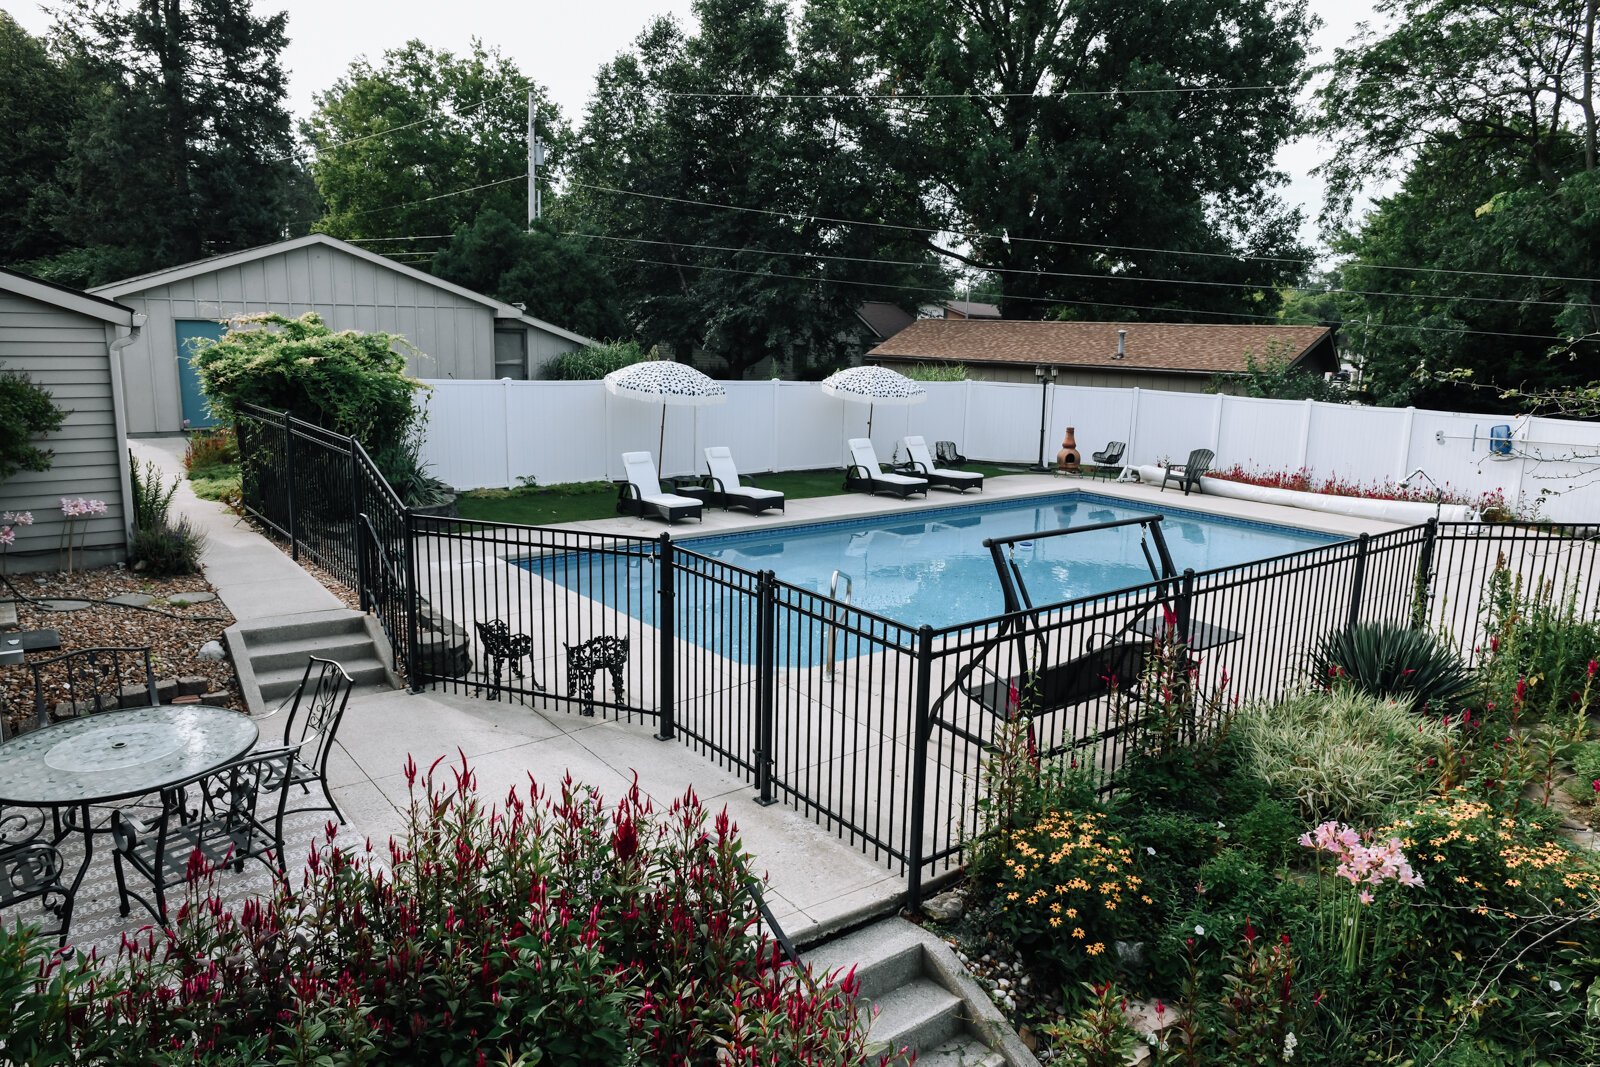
column 111, row 756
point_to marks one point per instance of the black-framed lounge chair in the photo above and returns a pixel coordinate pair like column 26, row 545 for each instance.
column 1188, row 473
column 866, row 475
column 1113, row 667
column 726, row 492
column 923, row 466
column 1111, row 455
column 641, row 494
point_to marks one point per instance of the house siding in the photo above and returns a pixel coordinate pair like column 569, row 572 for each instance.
column 454, row 336
column 67, row 354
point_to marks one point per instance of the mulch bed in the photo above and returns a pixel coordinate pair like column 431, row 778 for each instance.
column 174, row 638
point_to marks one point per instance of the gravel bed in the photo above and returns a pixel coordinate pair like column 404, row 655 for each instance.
column 174, row 638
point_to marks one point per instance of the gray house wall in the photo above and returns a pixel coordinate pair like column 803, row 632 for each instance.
column 68, row 355
column 454, row 335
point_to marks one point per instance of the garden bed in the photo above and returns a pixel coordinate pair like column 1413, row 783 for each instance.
column 174, row 632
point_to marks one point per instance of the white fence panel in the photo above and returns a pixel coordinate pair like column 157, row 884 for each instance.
column 1171, row 425
column 1357, row 444
column 1561, row 468
column 466, row 444
column 1097, row 416
column 811, row 428
column 1002, row 423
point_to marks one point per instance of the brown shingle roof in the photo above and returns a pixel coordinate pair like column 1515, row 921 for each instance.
column 1156, row 346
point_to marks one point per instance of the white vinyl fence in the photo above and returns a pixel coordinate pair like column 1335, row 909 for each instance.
column 493, row 433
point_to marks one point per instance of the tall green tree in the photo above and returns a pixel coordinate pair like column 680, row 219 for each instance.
column 1034, row 124
column 184, row 150
column 422, row 141
column 711, row 181
column 39, row 103
column 1479, row 269
column 556, row 277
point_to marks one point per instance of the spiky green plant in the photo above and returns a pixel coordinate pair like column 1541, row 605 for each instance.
column 1392, row 662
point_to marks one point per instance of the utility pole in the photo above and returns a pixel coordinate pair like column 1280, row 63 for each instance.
column 535, row 157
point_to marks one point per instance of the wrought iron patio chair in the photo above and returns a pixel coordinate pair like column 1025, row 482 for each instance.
column 1188, row 473
column 227, row 816
column 501, row 647
column 311, row 717
column 94, row 680
column 1111, row 455
column 944, row 452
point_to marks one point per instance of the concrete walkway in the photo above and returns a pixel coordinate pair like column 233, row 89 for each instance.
column 817, row 882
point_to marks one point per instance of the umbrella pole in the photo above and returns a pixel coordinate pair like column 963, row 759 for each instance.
column 869, row 419
column 661, row 438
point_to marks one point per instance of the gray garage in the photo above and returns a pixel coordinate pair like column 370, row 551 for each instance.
column 459, row 333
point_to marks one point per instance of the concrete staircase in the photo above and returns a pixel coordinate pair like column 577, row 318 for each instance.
column 925, row 999
column 269, row 655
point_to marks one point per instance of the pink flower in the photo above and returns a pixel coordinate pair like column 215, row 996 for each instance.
column 8, row 536
column 25, row 518
column 1366, row 897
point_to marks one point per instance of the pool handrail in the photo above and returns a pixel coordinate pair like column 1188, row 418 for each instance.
column 833, row 627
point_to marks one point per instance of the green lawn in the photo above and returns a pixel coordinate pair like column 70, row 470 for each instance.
column 597, row 500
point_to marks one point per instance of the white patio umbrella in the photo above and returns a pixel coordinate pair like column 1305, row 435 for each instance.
column 661, row 381
column 873, row 386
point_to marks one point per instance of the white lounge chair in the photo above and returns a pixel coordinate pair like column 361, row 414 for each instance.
column 922, row 463
column 725, row 488
column 866, row 475
column 641, row 493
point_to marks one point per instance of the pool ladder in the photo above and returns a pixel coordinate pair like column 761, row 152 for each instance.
column 833, row 626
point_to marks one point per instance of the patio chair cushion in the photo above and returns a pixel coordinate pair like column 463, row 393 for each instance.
column 917, row 449
column 863, row 455
column 640, row 468
column 719, row 461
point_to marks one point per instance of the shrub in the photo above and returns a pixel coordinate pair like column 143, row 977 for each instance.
column 595, row 362
column 1392, row 662
column 1339, row 755
column 168, row 548
column 151, row 500
column 210, row 450
column 555, row 930
column 1540, row 640
column 26, row 411
column 349, row 382
column 1066, row 890
column 936, row 372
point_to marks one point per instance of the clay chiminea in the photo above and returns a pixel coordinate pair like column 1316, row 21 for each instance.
column 1067, row 459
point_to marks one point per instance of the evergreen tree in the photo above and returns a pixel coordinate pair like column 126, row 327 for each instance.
column 39, row 103
column 184, row 149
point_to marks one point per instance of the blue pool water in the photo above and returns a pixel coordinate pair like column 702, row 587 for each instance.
column 930, row 567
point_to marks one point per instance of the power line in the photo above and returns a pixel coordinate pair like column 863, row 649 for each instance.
column 437, row 113
column 1097, row 246
column 1038, row 94
column 414, row 203
column 1080, row 303
column 1075, row 275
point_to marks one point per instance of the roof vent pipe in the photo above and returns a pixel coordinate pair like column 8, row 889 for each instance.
column 1122, row 343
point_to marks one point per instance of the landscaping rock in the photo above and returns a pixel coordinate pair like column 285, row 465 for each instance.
column 946, row 907
column 191, row 685
column 185, row 700
column 136, row 696
column 213, row 650
column 191, row 598
column 218, row 700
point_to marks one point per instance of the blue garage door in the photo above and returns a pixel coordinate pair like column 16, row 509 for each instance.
column 196, row 413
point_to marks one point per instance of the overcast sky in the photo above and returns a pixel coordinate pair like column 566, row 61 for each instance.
column 561, row 44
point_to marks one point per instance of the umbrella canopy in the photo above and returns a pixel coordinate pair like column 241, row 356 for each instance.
column 873, row 386
column 661, row 381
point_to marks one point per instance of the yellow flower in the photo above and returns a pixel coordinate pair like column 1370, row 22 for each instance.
column 1054, row 921
column 1012, row 896
column 1096, row 948
column 1072, row 913
column 1078, row 933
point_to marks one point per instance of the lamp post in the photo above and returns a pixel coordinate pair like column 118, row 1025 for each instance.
column 1047, row 377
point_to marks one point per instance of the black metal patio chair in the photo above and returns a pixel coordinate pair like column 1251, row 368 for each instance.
column 502, row 648
column 1188, row 473
column 93, row 680
column 1110, row 455
column 227, row 816
column 311, row 723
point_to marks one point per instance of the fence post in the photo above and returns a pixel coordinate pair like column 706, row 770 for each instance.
column 413, row 614
column 1358, row 583
column 288, row 485
column 1422, row 584
column 357, row 527
column 766, row 680
column 1185, row 614
column 923, row 724
column 667, row 628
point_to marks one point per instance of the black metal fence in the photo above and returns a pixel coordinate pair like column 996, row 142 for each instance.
column 878, row 731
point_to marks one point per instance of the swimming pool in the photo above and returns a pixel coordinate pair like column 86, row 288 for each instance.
column 930, row 567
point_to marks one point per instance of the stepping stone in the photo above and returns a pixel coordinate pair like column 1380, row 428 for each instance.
column 132, row 600
column 64, row 605
column 8, row 614
column 191, row 598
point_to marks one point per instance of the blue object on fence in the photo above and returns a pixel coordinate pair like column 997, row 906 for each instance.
column 1500, row 440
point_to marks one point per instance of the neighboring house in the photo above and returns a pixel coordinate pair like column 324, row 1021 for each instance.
column 883, row 320
column 960, row 309
column 1153, row 355
column 459, row 333
column 66, row 341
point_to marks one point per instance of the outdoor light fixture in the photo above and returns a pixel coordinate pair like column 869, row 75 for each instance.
column 1046, row 376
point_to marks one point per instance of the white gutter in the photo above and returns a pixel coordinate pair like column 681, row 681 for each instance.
column 119, row 416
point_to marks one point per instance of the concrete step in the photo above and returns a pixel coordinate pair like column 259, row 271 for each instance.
column 919, row 1015
column 366, row 670
column 880, row 966
column 276, row 655
column 305, row 625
